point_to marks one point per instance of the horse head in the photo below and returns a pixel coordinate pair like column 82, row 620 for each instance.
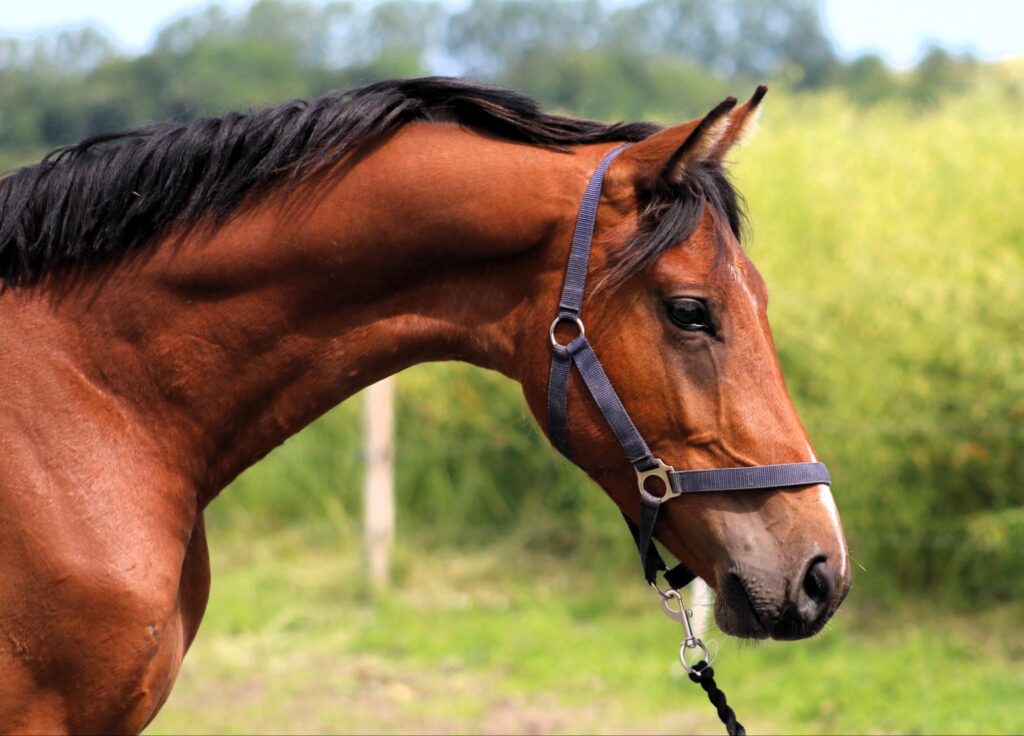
column 678, row 316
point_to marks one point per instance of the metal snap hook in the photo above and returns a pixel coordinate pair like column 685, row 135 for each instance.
column 676, row 614
column 682, row 615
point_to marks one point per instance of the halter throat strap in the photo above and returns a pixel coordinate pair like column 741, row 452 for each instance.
column 578, row 352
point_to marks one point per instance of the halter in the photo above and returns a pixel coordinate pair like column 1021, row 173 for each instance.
column 580, row 353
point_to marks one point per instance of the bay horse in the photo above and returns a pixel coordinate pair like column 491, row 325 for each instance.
column 179, row 299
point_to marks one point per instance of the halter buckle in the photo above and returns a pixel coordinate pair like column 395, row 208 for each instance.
column 660, row 471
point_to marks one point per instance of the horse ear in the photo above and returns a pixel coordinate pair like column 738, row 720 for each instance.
column 665, row 156
column 742, row 123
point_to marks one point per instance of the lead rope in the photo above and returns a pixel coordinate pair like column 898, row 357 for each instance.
column 702, row 673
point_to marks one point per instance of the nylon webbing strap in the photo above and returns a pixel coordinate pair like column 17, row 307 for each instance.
column 579, row 352
column 597, row 383
column 749, row 478
column 558, row 381
column 677, row 577
column 579, row 254
column 569, row 306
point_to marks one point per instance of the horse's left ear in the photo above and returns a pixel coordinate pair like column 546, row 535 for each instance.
column 664, row 157
column 742, row 123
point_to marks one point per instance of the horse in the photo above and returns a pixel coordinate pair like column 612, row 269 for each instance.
column 178, row 299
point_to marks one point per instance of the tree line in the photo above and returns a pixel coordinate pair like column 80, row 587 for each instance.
column 654, row 58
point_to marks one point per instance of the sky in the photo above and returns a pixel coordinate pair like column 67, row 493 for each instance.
column 897, row 29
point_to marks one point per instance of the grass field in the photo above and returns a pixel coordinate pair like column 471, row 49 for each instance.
column 503, row 641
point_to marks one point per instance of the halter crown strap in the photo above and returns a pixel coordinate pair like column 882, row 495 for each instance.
column 580, row 353
column 571, row 303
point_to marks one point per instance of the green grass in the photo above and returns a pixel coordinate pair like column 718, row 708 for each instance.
column 501, row 640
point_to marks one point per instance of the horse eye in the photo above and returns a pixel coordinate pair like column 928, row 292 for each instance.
column 690, row 314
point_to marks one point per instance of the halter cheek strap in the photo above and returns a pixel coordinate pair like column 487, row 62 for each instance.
column 578, row 352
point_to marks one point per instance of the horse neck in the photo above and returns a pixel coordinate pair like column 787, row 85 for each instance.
column 438, row 244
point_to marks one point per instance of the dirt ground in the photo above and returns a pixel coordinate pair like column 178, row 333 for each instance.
column 324, row 693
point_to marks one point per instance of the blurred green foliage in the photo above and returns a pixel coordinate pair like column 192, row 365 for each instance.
column 895, row 250
column 607, row 60
column 886, row 209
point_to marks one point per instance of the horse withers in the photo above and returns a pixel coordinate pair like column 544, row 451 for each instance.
column 179, row 299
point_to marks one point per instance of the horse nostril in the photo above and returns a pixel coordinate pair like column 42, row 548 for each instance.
column 819, row 583
column 805, row 613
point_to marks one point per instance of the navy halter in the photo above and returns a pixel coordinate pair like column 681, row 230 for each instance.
column 579, row 352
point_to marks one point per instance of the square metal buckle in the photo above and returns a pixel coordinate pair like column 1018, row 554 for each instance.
column 660, row 471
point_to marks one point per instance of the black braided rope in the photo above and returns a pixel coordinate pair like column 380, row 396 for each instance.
column 704, row 675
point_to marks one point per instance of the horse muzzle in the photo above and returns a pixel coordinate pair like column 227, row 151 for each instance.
column 754, row 604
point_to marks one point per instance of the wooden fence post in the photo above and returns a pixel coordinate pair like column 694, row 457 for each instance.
column 379, row 479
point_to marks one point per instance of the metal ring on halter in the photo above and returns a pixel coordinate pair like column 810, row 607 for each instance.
column 561, row 318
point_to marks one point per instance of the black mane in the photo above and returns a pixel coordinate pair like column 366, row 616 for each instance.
column 117, row 192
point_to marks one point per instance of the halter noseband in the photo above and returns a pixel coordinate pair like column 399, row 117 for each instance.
column 579, row 352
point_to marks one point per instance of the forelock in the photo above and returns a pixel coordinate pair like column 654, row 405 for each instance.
column 668, row 215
